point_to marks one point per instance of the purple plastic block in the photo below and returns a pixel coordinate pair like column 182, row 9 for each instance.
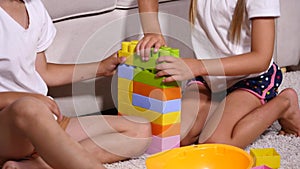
column 156, row 105
column 125, row 71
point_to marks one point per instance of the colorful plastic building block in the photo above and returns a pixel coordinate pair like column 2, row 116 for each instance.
column 265, row 156
column 141, row 93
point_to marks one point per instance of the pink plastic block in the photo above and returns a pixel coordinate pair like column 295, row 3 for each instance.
column 262, row 167
column 159, row 144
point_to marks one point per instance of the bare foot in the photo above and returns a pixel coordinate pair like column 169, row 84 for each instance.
column 290, row 121
column 34, row 163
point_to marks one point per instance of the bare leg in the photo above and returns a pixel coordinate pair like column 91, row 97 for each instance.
column 111, row 138
column 290, row 120
column 196, row 103
column 133, row 132
column 23, row 127
column 108, row 138
column 35, row 163
column 243, row 123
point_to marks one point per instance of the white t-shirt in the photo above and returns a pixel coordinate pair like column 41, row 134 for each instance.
column 210, row 34
column 19, row 48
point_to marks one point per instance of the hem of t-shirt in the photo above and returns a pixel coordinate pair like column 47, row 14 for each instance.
column 48, row 43
column 270, row 13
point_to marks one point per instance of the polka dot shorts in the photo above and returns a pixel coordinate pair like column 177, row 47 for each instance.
column 265, row 86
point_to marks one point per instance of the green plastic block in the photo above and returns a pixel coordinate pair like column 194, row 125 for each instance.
column 164, row 52
column 175, row 53
column 147, row 76
column 167, row 51
column 150, row 64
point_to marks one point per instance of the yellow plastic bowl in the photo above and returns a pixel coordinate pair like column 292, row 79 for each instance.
column 203, row 156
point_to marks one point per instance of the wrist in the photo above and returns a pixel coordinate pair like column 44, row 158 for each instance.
column 201, row 71
column 100, row 71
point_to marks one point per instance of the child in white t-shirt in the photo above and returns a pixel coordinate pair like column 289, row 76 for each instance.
column 30, row 136
column 232, row 97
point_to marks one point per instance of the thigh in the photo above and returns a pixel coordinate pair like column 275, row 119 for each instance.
column 196, row 104
column 81, row 128
column 233, row 108
column 13, row 143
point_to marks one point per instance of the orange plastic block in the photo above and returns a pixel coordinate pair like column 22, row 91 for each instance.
column 163, row 94
column 165, row 130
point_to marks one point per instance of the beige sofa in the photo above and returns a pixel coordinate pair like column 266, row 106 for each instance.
column 90, row 30
column 288, row 36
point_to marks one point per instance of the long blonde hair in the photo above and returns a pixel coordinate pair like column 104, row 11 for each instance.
column 236, row 22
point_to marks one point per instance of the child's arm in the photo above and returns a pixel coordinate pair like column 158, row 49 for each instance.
column 255, row 61
column 60, row 74
column 152, row 33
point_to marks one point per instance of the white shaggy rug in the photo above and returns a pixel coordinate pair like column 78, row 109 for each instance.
column 287, row 146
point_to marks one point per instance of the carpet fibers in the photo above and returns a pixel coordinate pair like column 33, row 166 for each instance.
column 287, row 146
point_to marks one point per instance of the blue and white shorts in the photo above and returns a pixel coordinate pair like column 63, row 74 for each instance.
column 264, row 86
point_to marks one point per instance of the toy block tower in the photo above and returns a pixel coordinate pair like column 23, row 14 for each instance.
column 266, row 156
column 142, row 94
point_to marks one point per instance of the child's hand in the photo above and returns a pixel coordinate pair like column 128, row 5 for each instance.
column 107, row 67
column 177, row 69
column 150, row 40
column 51, row 104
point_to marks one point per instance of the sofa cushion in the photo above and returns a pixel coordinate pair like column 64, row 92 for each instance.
column 73, row 8
column 125, row 4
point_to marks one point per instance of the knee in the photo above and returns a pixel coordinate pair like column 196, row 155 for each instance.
column 25, row 111
column 285, row 103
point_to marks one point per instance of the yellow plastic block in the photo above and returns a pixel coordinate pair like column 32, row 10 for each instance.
column 125, row 46
column 154, row 117
column 130, row 110
column 265, row 156
column 131, row 49
column 169, row 118
column 123, row 54
column 125, row 84
column 135, row 42
column 124, row 96
column 129, row 58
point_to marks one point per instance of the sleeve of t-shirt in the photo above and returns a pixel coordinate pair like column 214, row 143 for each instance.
column 48, row 31
column 263, row 8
